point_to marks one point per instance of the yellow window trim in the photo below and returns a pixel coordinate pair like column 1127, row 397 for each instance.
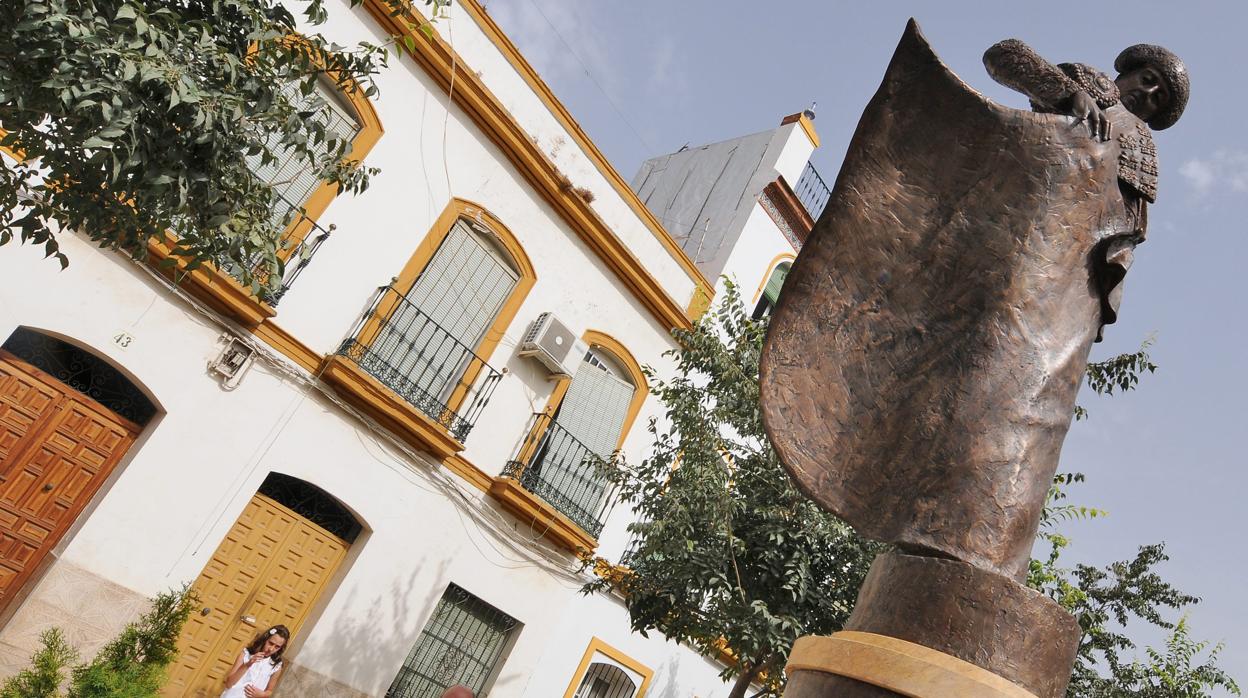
column 533, row 510
column 771, row 269
column 625, row 358
column 436, row 58
column 222, row 291
column 381, row 403
column 597, row 646
column 361, row 145
column 455, row 210
column 17, row 157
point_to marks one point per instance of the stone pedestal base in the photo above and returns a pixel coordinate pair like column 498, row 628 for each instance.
column 935, row 628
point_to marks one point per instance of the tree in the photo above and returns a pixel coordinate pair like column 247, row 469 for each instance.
column 43, row 678
column 729, row 553
column 1104, row 601
column 141, row 118
column 132, row 665
column 1171, row 674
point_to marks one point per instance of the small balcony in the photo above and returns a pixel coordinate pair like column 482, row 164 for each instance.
column 406, row 370
column 219, row 284
column 301, row 241
column 565, row 477
column 812, row 191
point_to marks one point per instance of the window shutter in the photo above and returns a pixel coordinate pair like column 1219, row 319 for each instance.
column 772, row 291
column 291, row 178
column 461, row 291
column 593, row 412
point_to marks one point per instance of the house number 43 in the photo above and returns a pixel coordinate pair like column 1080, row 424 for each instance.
column 123, row 339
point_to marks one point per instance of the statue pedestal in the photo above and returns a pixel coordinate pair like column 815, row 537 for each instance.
column 936, row 628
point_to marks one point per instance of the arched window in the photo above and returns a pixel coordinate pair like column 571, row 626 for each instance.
column 301, row 194
column 428, row 335
column 605, row 681
column 585, row 422
column 771, row 291
column 606, row 672
column 293, row 181
column 444, row 314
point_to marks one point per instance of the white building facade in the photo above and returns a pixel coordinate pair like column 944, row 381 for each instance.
column 373, row 458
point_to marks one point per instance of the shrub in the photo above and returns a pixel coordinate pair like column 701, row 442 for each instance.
column 132, row 665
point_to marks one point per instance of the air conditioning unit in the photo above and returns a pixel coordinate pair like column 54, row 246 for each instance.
column 552, row 343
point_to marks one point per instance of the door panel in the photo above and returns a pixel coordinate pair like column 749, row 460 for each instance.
column 269, row 569
column 56, row 448
column 24, row 400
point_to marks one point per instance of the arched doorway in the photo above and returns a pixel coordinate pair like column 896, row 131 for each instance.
column 270, row 568
column 67, row 418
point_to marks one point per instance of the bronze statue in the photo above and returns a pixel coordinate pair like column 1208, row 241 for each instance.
column 922, row 363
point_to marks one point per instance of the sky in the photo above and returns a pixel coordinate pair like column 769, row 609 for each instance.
column 1167, row 461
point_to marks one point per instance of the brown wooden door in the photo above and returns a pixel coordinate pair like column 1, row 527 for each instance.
column 57, row 447
column 269, row 569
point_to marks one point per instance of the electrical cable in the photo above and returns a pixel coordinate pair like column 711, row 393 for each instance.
column 532, row 552
column 615, row 107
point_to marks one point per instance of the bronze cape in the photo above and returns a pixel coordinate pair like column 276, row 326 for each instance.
column 922, row 363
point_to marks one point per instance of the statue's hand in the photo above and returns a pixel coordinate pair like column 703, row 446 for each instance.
column 1084, row 108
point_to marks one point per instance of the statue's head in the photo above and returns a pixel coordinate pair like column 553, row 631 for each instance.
column 1153, row 83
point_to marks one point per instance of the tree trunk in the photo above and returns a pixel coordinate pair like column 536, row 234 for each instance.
column 743, row 680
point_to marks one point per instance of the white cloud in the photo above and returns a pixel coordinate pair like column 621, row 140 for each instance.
column 1199, row 174
column 1223, row 170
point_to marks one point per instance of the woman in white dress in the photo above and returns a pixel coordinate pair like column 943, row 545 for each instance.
column 259, row 666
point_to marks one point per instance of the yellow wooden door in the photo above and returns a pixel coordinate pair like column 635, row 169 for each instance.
column 269, row 569
column 57, row 447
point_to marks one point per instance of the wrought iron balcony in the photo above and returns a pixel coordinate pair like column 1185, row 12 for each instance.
column 812, row 191
column 294, row 259
column 408, row 352
column 554, row 465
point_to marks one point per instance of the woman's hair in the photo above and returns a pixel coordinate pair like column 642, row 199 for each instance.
column 257, row 643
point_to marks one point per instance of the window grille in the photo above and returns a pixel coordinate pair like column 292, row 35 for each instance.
column 313, row 504
column 593, row 411
column 562, row 459
column 462, row 643
column 82, row 371
column 605, row 681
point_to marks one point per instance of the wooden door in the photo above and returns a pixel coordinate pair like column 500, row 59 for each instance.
column 269, row 569
column 57, row 447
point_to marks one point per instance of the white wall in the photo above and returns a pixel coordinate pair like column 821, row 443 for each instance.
column 751, row 260
column 185, row 482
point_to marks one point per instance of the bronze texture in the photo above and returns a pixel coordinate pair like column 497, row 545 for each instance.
column 922, row 363
column 968, row 613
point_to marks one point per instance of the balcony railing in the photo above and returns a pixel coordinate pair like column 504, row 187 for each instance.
column 812, row 191
column 407, row 351
column 554, row 465
column 294, row 259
